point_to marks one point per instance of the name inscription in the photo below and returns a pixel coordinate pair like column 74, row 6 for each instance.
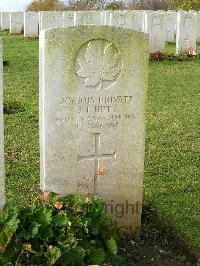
column 95, row 112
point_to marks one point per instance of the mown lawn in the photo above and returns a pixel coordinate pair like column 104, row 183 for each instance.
column 172, row 140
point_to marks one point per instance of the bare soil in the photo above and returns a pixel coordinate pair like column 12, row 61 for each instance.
column 156, row 246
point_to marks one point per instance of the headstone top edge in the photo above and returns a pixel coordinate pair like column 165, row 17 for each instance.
column 49, row 31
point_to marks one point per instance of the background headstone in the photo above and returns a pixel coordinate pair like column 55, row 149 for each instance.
column 198, row 26
column 5, row 20
column 186, row 31
column 68, row 18
column 31, row 24
column 155, row 26
column 51, row 19
column 125, row 19
column 106, row 19
column 89, row 18
column 16, row 22
column 92, row 90
column 39, row 20
column 2, row 182
column 140, row 14
column 171, row 21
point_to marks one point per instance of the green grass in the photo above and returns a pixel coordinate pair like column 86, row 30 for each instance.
column 172, row 162
column 172, row 145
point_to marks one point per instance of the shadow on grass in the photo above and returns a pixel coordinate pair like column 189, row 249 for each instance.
column 153, row 223
column 12, row 107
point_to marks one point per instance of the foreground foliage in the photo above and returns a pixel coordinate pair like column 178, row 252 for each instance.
column 72, row 230
column 170, row 57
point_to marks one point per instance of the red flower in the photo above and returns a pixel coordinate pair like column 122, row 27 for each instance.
column 100, row 171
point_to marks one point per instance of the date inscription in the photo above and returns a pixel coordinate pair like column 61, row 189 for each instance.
column 95, row 112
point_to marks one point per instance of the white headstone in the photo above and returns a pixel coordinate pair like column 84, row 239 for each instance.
column 198, row 26
column 5, row 20
column 51, row 19
column 31, row 24
column 171, row 21
column 186, row 31
column 16, row 22
column 89, row 18
column 141, row 15
column 68, row 18
column 125, row 19
column 39, row 19
column 92, row 94
column 155, row 26
column 2, row 181
column 107, row 14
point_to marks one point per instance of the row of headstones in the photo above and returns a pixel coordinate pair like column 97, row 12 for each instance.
column 161, row 26
column 93, row 82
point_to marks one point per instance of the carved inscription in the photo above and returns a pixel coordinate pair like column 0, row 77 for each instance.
column 156, row 21
column 121, row 20
column 86, row 19
column 96, row 157
column 95, row 112
column 98, row 64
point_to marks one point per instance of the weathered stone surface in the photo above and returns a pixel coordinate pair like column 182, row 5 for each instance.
column 125, row 19
column 31, row 24
column 39, row 20
column 5, row 20
column 92, row 93
column 89, row 18
column 197, row 13
column 107, row 15
column 16, row 22
column 51, row 19
column 198, row 27
column 140, row 14
column 171, row 21
column 68, row 18
column 155, row 26
column 186, row 31
column 2, row 182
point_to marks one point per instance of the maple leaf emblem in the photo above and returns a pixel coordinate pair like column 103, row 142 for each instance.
column 101, row 62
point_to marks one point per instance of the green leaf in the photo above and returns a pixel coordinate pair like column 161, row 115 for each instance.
column 61, row 220
column 10, row 223
column 54, row 198
column 112, row 246
column 35, row 229
column 94, row 231
column 45, row 233
column 73, row 257
column 97, row 256
column 25, row 234
column 43, row 216
column 119, row 261
column 55, row 254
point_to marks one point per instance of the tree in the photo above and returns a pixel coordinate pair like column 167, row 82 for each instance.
column 93, row 4
column 115, row 5
column 46, row 5
column 74, row 5
column 148, row 4
column 183, row 4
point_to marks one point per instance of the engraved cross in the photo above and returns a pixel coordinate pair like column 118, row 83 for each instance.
column 97, row 157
